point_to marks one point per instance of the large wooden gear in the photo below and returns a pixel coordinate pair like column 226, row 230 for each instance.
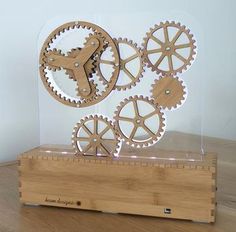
column 78, row 64
column 168, row 44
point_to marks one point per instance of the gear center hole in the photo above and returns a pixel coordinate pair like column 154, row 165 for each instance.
column 168, row 48
column 167, row 91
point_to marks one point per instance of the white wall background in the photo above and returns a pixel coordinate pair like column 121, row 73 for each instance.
column 210, row 80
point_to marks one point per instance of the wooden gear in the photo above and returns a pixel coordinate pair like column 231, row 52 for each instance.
column 168, row 92
column 132, row 78
column 139, row 121
column 89, row 66
column 76, row 64
column 169, row 48
column 98, row 142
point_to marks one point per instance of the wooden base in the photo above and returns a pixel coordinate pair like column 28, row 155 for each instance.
column 171, row 188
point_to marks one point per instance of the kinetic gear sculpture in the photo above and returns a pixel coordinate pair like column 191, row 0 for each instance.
column 94, row 66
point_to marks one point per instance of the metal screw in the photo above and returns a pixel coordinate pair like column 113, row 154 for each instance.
column 51, row 59
column 93, row 43
column 76, row 64
column 168, row 48
column 167, row 91
column 138, row 121
column 84, row 90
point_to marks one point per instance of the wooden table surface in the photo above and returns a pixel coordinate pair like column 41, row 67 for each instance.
column 15, row 217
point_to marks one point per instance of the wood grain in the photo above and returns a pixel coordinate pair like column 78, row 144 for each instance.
column 122, row 185
column 14, row 217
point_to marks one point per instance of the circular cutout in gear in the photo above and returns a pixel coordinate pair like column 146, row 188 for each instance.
column 96, row 136
column 131, row 65
column 169, row 48
column 168, row 92
column 79, row 64
column 140, row 121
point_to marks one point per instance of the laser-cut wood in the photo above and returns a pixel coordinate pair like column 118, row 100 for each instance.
column 164, row 188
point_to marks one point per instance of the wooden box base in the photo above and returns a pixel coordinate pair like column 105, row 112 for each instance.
column 173, row 188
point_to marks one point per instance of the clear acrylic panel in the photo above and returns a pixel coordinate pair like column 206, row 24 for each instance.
column 155, row 102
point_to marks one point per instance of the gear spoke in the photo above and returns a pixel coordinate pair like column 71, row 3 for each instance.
column 180, row 46
column 158, row 50
column 81, row 138
column 148, row 131
column 95, row 129
column 104, row 131
column 133, row 132
column 95, row 150
column 149, row 115
column 170, row 63
column 125, row 119
column 166, row 34
column 136, row 110
column 159, row 60
column 107, row 62
column 131, row 58
column 128, row 73
column 87, row 148
column 109, row 140
column 86, row 129
column 156, row 40
column 179, row 57
column 102, row 146
column 177, row 35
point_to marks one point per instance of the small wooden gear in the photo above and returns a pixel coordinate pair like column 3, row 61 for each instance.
column 131, row 76
column 168, row 92
column 169, row 48
column 79, row 64
column 139, row 120
column 95, row 135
